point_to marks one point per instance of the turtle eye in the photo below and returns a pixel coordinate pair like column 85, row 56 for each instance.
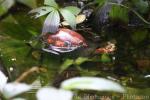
column 67, row 43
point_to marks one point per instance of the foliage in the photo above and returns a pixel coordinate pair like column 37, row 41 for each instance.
column 7, row 89
column 7, row 4
column 119, row 13
column 52, row 21
column 108, row 10
column 91, row 83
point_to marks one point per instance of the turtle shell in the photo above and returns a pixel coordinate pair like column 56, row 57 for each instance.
column 65, row 40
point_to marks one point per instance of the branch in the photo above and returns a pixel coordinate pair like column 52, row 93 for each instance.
column 30, row 71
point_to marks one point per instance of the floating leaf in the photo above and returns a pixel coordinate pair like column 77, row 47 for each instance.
column 50, row 93
column 3, row 81
column 13, row 89
column 69, row 17
column 51, row 23
column 92, row 83
column 41, row 11
column 80, row 19
column 51, row 3
column 74, row 10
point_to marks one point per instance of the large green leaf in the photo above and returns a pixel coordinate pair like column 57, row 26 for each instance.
column 18, row 32
column 41, row 11
column 51, row 23
column 73, row 9
column 69, row 17
column 19, row 26
column 51, row 3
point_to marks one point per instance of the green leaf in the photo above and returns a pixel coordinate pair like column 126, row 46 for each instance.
column 23, row 26
column 105, row 58
column 73, row 10
column 51, row 23
column 119, row 13
column 51, row 3
column 42, row 11
column 20, row 34
column 91, row 83
column 66, row 64
column 81, row 60
column 69, row 17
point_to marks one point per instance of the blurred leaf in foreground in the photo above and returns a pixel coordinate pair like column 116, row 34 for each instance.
column 5, row 5
column 92, row 83
column 50, row 93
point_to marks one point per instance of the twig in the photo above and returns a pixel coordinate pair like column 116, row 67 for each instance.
column 30, row 71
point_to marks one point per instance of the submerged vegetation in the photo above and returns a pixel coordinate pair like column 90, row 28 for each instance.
column 91, row 49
